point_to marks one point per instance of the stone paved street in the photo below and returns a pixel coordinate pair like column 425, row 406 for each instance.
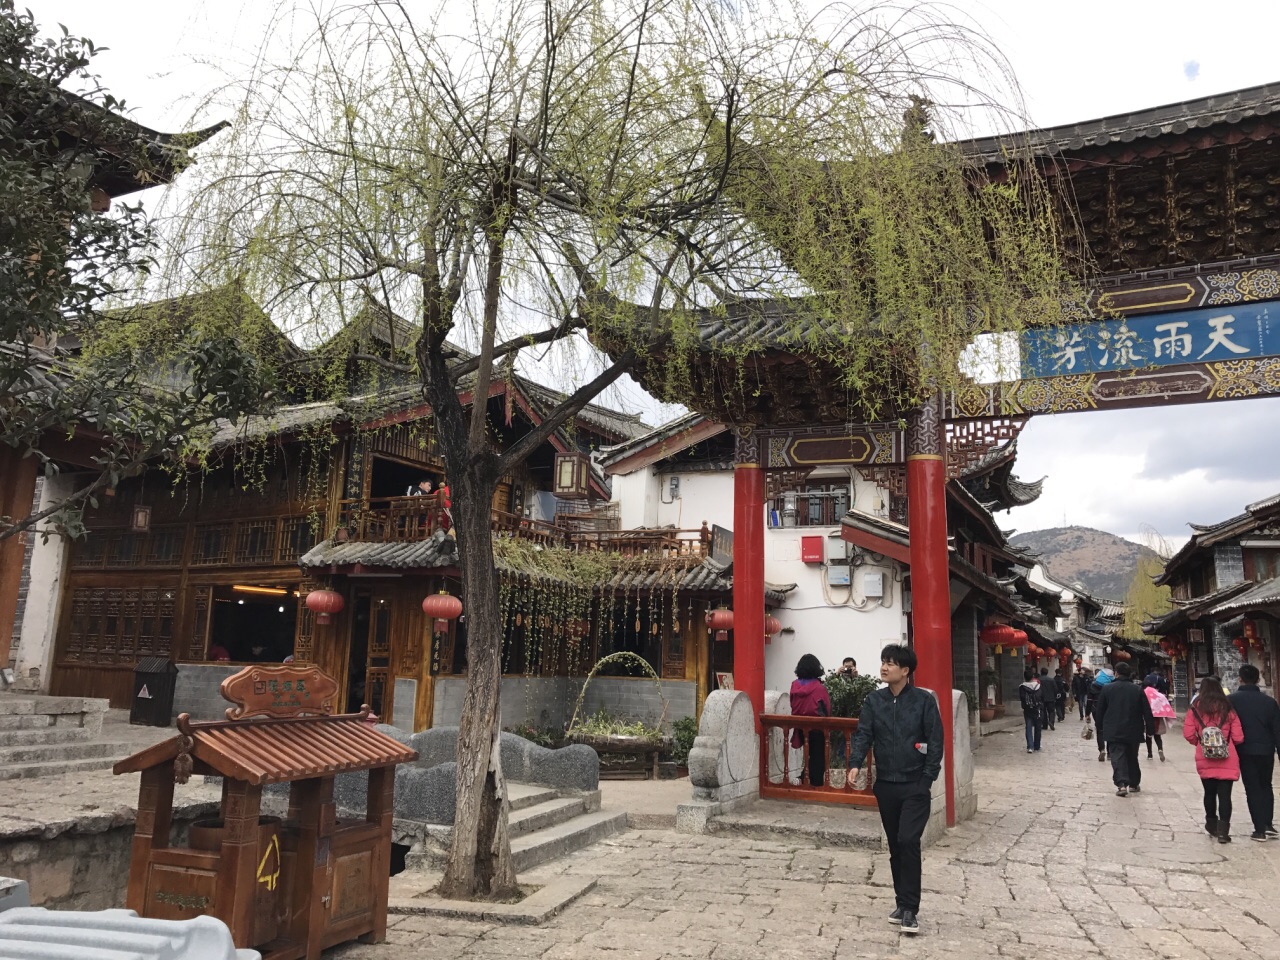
column 1054, row 865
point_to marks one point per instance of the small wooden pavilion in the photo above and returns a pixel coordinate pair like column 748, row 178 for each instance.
column 287, row 888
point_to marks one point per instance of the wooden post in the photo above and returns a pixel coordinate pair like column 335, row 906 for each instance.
column 315, row 819
column 238, row 872
column 930, row 571
column 17, row 490
column 378, row 809
column 151, row 832
column 748, row 571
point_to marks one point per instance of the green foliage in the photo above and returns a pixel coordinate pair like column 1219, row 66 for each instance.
column 605, row 724
column 60, row 261
column 683, row 732
column 1145, row 601
column 848, row 693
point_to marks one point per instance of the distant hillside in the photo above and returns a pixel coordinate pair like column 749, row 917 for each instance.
column 1103, row 562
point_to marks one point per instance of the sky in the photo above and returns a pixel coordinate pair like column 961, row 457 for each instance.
column 1120, row 471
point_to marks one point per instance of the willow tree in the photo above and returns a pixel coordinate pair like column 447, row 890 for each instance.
column 555, row 174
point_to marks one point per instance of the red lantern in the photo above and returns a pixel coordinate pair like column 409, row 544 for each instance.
column 720, row 622
column 771, row 625
column 1250, row 630
column 324, row 604
column 1020, row 639
column 442, row 607
column 1051, row 651
column 997, row 635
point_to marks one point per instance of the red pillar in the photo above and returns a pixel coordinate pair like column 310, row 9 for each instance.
column 930, row 577
column 748, row 573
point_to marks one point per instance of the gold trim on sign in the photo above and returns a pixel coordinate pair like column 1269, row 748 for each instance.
column 924, row 456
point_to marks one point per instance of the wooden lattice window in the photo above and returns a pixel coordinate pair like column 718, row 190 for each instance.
column 124, row 550
column 296, row 538
column 202, row 598
column 256, row 541
column 164, row 546
column 91, row 552
column 306, row 624
column 212, row 544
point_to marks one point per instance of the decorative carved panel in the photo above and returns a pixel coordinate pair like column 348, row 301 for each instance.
column 968, row 441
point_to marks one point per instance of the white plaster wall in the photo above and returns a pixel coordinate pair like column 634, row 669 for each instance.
column 636, row 496
column 703, row 496
column 40, row 620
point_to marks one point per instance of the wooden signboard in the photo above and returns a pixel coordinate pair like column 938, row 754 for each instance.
column 284, row 690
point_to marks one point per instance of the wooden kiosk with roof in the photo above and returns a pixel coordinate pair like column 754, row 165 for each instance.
column 287, row 888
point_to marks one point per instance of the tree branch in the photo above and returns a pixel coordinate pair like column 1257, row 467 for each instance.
column 522, row 448
column 550, row 335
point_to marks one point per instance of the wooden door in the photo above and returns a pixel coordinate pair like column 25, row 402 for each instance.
column 369, row 672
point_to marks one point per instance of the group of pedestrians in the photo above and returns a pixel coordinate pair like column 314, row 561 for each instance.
column 1236, row 737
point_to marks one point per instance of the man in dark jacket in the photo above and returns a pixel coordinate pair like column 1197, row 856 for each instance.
column 1080, row 690
column 1029, row 697
column 904, row 726
column 1060, row 686
column 1048, row 698
column 1124, row 718
column 1260, row 719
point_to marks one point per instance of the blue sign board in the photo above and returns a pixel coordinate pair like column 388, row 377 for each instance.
column 1235, row 332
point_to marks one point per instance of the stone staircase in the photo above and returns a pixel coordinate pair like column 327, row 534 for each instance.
column 45, row 736
column 544, row 826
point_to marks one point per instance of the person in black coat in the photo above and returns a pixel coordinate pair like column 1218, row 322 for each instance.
column 1124, row 718
column 1048, row 699
column 1260, row 719
column 1080, row 690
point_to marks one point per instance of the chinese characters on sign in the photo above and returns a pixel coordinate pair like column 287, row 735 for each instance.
column 1154, row 340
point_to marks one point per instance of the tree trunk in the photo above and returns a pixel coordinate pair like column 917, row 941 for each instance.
column 479, row 862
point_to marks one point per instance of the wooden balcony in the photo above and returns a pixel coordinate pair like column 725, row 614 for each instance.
column 408, row 519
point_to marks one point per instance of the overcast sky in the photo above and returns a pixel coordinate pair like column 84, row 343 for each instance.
column 1118, row 471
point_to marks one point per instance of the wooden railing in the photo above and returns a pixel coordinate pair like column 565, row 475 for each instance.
column 397, row 519
column 242, row 542
column 785, row 770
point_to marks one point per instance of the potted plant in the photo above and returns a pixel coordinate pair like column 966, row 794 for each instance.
column 847, row 694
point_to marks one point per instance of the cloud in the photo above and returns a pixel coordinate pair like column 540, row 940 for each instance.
column 1191, row 69
column 1122, row 471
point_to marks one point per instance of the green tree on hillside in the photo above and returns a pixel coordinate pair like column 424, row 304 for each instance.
column 1146, row 601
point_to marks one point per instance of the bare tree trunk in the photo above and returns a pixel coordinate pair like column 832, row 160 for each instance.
column 480, row 854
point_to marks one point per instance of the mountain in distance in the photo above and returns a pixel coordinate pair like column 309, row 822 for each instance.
column 1101, row 561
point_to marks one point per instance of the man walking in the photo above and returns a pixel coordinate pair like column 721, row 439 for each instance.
column 1029, row 697
column 902, row 723
column 1260, row 719
column 1060, row 694
column 1048, row 698
column 1080, row 689
column 1125, row 721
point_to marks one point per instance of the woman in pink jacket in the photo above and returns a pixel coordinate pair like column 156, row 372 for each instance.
column 1214, row 729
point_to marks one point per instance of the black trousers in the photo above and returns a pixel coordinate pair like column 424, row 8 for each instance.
column 1048, row 713
column 1062, row 709
column 904, row 812
column 1217, row 799
column 1124, row 763
column 817, row 759
column 1255, row 774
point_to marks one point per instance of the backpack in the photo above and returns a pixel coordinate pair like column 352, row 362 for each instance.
column 1213, row 743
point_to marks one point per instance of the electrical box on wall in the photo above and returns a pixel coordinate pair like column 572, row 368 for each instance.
column 873, row 585
column 838, row 575
column 837, row 550
column 811, row 549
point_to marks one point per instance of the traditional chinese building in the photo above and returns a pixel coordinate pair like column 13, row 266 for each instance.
column 1226, row 593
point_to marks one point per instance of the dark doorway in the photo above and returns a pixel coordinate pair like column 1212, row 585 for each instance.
column 253, row 623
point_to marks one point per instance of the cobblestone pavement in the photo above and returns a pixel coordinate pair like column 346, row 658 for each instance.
column 1054, row 865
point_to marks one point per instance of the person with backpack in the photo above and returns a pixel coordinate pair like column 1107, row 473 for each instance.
column 1260, row 720
column 1124, row 721
column 1048, row 699
column 1163, row 712
column 1029, row 697
column 1214, row 729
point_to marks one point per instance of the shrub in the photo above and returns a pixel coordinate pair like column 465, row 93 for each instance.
column 848, row 693
column 683, row 732
column 543, row 738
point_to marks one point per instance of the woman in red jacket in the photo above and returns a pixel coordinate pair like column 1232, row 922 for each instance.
column 1214, row 729
column 809, row 699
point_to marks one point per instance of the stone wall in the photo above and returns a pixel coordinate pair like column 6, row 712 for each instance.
column 197, row 690
column 965, row 651
column 87, row 867
column 548, row 702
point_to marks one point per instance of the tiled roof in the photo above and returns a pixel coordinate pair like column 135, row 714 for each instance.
column 438, row 550
column 1196, row 608
column 1265, row 594
column 1175, row 118
column 655, row 435
column 1255, row 516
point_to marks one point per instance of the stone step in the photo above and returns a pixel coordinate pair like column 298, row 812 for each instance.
column 550, row 843
column 20, row 771
column 44, row 736
column 15, row 704
column 521, row 796
column 25, row 721
column 61, row 752
column 543, row 815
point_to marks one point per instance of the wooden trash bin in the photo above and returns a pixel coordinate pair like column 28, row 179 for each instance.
column 287, row 888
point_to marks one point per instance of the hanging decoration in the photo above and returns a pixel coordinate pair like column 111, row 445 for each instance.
column 324, row 604
column 720, row 622
column 442, row 607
